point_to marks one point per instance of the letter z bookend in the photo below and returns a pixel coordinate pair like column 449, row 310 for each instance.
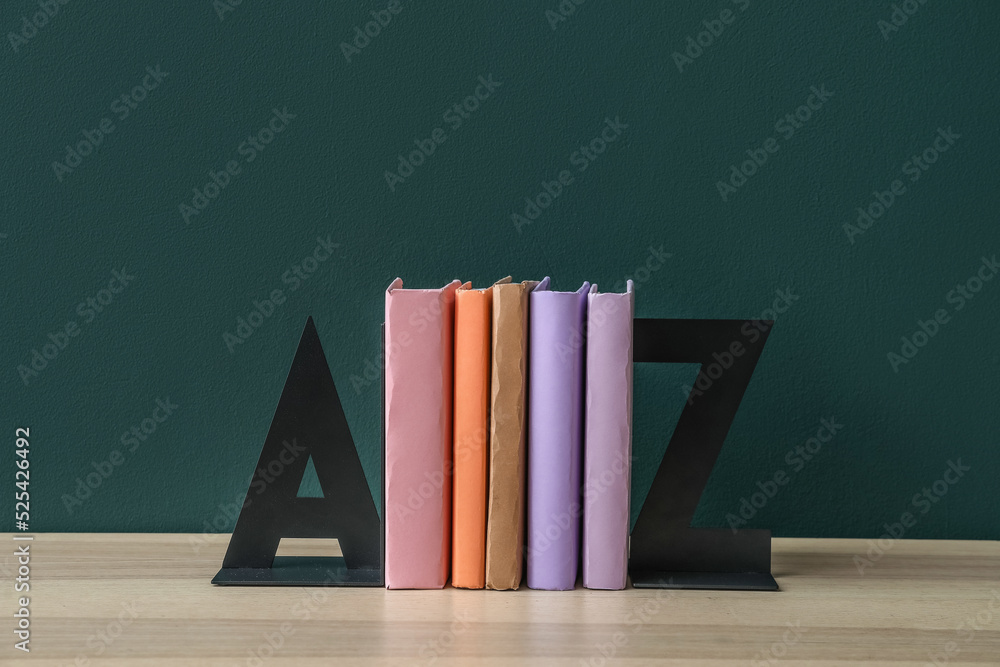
column 309, row 422
column 665, row 551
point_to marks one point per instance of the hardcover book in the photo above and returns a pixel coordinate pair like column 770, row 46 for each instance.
column 508, row 436
column 607, row 448
column 555, row 425
column 473, row 324
column 419, row 325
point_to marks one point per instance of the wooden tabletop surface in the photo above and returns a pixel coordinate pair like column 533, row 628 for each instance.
column 145, row 599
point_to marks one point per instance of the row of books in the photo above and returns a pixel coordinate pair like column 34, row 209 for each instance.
column 508, row 434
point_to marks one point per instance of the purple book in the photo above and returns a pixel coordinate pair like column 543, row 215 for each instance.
column 555, row 445
column 607, row 448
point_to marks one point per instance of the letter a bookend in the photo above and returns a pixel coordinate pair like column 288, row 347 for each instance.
column 309, row 422
column 665, row 551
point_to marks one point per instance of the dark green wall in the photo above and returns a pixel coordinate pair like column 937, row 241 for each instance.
column 655, row 186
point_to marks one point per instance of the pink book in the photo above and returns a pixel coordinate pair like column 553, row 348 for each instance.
column 419, row 330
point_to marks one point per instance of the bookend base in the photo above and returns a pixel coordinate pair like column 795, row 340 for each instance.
column 300, row 571
column 308, row 424
column 664, row 550
column 717, row 581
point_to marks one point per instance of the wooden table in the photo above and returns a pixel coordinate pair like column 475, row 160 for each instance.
column 145, row 599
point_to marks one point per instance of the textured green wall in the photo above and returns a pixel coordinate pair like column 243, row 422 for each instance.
column 885, row 94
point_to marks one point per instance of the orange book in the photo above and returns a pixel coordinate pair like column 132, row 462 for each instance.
column 473, row 323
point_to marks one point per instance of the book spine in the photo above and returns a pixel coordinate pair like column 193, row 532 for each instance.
column 555, row 422
column 607, row 440
column 471, row 436
column 508, row 436
column 418, row 435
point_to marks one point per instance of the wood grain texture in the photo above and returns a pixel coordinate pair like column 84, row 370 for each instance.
column 906, row 607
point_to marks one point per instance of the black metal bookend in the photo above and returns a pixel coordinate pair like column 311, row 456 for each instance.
column 309, row 422
column 666, row 552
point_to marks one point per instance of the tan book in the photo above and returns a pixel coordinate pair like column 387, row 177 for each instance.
column 508, row 436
